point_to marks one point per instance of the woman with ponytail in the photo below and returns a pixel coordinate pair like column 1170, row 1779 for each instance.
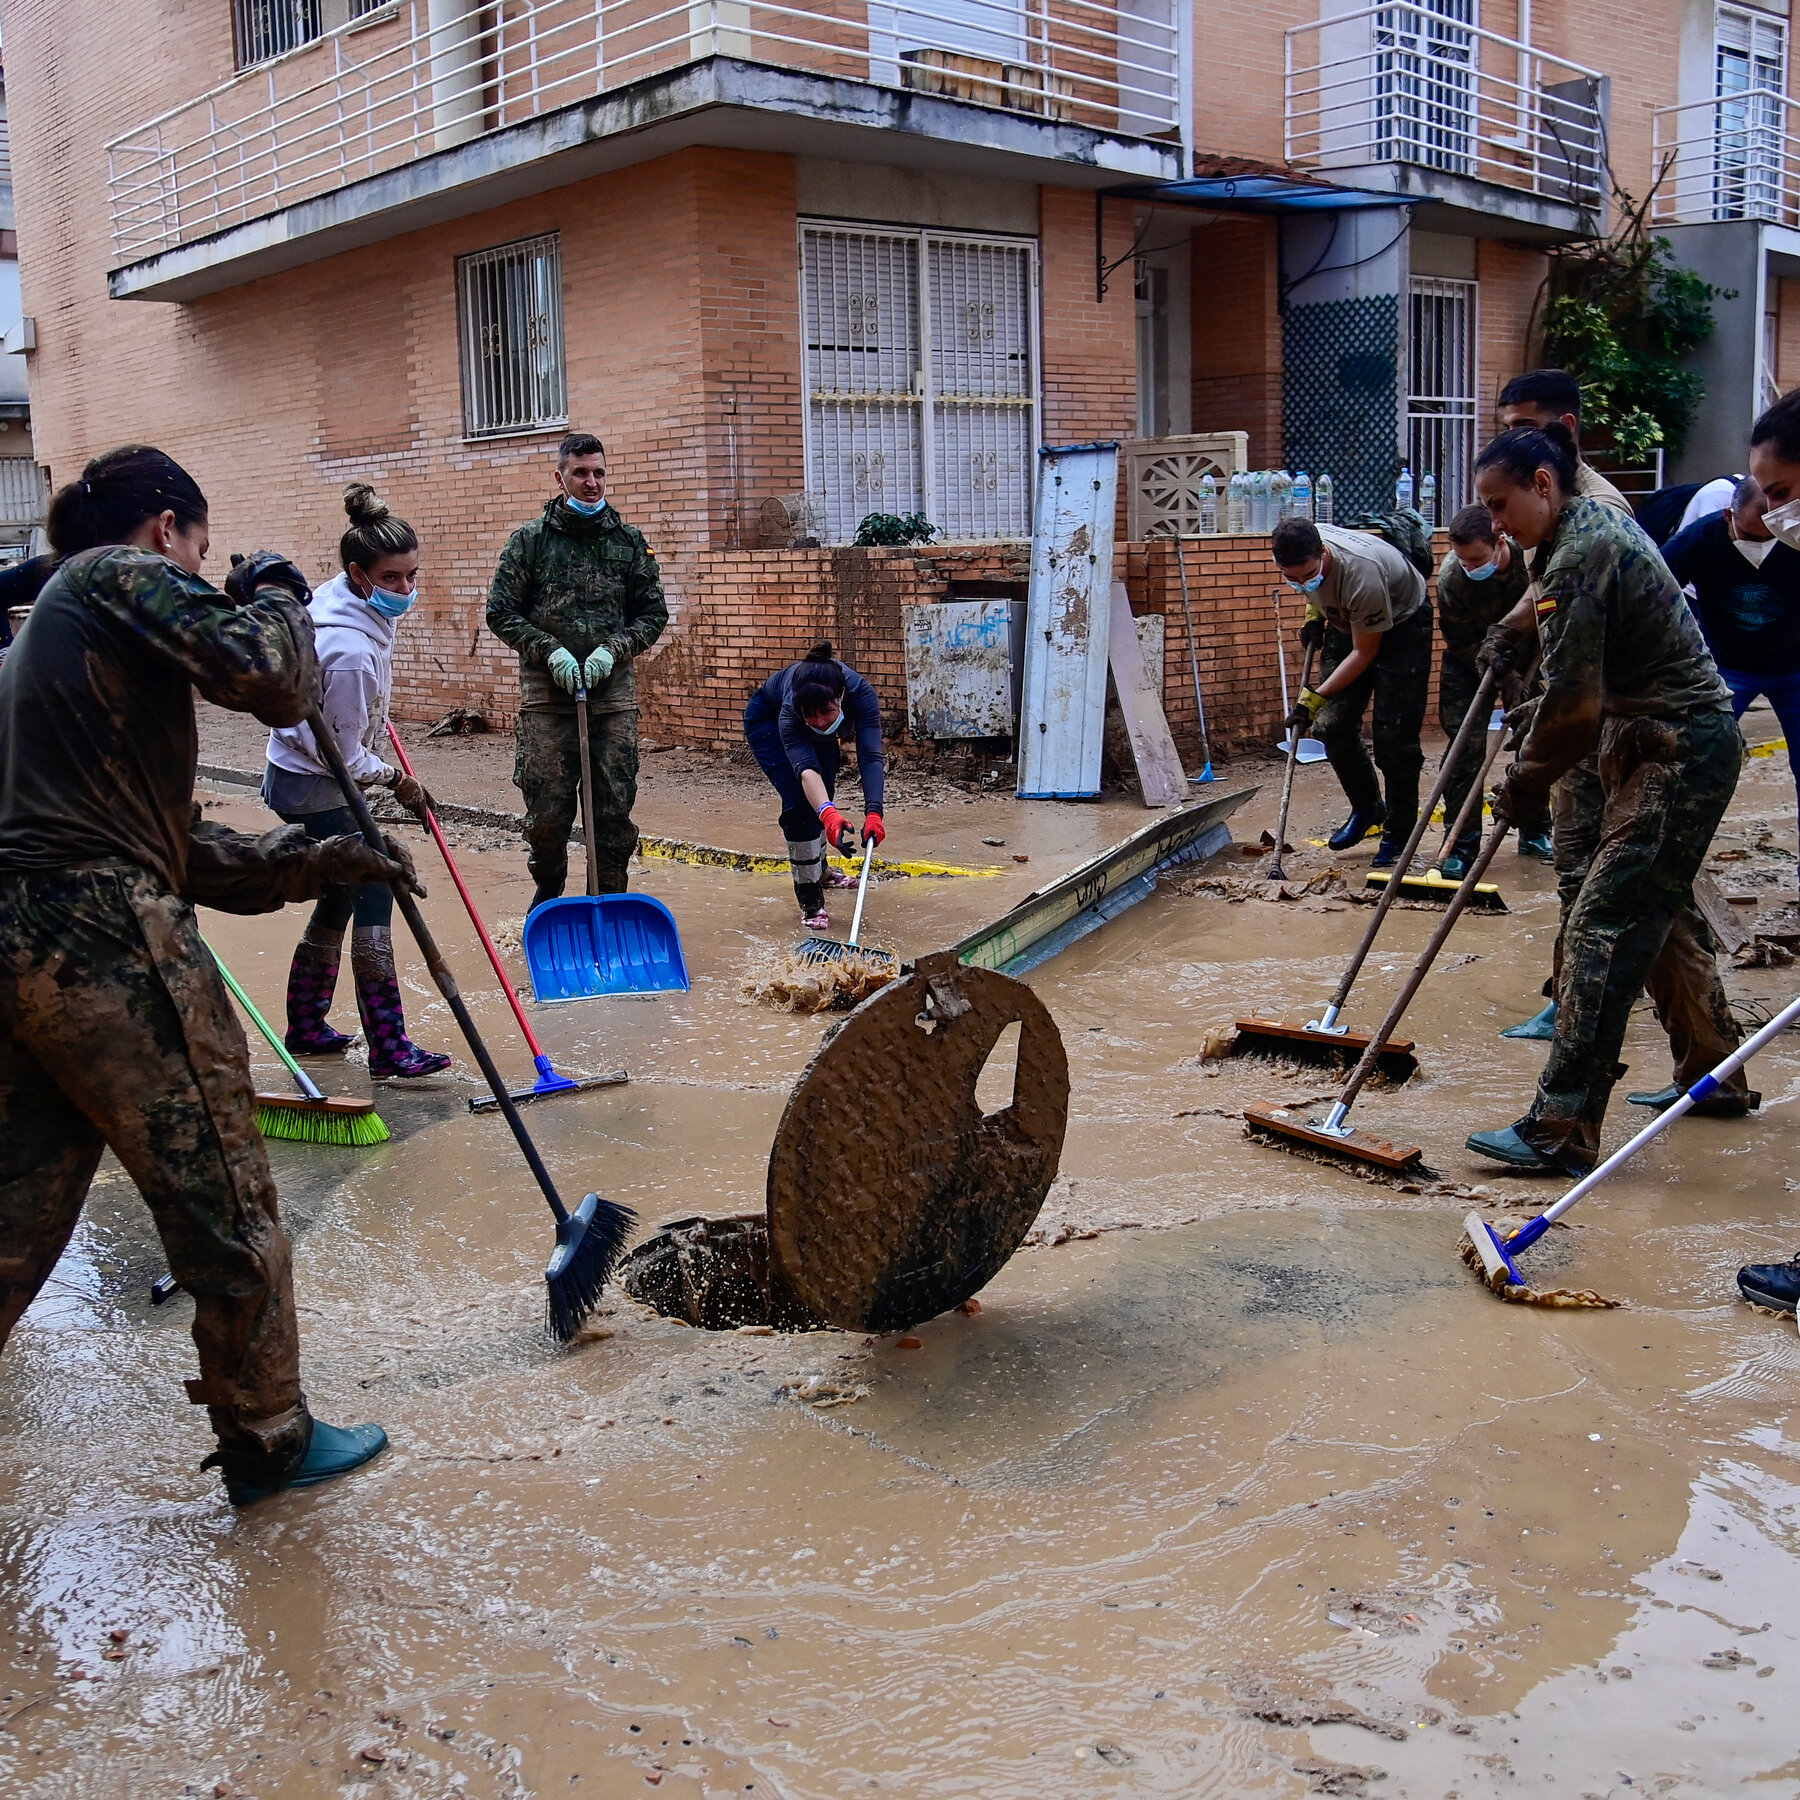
column 794, row 723
column 1627, row 672
column 115, row 1028
column 355, row 616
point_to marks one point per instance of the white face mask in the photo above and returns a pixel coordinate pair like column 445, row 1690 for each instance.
column 1753, row 550
column 1784, row 522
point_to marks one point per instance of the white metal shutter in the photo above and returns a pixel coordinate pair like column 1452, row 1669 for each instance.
column 982, row 388
column 865, row 427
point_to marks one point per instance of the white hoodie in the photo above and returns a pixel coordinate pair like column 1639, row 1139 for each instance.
column 356, row 665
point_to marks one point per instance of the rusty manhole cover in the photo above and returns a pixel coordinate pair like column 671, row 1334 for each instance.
column 892, row 1196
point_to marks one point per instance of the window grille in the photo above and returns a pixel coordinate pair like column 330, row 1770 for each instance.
column 921, row 379
column 1749, row 76
column 510, row 307
column 267, row 28
column 1440, row 393
column 1424, row 85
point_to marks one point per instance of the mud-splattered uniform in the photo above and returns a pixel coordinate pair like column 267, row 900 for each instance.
column 1625, row 670
column 574, row 583
column 115, row 1028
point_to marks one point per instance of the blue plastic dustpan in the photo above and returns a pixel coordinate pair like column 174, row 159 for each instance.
column 587, row 948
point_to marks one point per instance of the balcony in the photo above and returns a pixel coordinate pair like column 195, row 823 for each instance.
column 1098, row 82
column 1417, row 102
column 1736, row 157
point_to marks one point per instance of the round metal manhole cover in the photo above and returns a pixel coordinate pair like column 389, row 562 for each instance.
column 892, row 1196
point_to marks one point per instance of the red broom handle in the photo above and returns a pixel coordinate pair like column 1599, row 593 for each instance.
column 487, row 943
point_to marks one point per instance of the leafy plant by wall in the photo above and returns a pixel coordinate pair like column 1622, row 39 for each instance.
column 894, row 528
column 1622, row 316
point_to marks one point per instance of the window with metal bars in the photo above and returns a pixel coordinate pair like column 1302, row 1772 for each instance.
column 921, row 370
column 270, row 28
column 1440, row 391
column 509, row 304
column 1749, row 77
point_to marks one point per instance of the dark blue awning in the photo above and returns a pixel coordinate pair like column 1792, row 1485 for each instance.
column 1255, row 194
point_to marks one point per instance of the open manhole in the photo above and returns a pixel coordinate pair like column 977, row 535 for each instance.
column 714, row 1273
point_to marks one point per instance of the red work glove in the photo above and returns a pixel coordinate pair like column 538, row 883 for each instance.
column 874, row 829
column 838, row 832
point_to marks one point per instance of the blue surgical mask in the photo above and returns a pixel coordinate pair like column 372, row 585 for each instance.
column 390, row 606
column 1306, row 587
column 589, row 509
column 1481, row 574
column 827, row 730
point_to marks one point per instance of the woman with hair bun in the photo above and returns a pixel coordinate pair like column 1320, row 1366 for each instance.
column 355, row 616
column 794, row 724
column 1625, row 671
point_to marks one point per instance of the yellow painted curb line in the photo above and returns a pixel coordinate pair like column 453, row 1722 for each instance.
column 1768, row 749
column 707, row 856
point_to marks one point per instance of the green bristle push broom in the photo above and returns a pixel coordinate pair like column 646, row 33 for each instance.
column 311, row 1118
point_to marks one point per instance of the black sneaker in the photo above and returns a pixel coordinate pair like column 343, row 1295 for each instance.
column 1357, row 827
column 1775, row 1285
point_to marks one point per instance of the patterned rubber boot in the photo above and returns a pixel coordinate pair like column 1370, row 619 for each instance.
column 312, row 980
column 391, row 1051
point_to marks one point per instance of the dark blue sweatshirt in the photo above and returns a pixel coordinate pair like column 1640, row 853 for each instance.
column 807, row 749
column 1749, row 613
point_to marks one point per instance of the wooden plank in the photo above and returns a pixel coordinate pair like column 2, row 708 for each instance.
column 1161, row 778
column 1284, row 1122
column 1062, row 709
column 1718, row 913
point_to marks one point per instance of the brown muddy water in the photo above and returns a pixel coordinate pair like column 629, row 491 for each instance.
column 1236, row 1485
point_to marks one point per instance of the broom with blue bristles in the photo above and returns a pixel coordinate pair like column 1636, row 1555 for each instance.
column 312, row 1118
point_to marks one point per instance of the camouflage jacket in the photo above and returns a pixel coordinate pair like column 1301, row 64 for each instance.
column 97, row 737
column 1467, row 608
column 1618, row 640
column 575, row 583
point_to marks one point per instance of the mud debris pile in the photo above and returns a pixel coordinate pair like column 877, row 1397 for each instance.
column 787, row 981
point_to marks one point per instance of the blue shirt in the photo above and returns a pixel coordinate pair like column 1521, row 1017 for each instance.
column 803, row 745
column 1750, row 613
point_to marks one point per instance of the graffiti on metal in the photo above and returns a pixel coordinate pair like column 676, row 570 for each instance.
column 959, row 669
column 1168, row 841
column 1062, row 710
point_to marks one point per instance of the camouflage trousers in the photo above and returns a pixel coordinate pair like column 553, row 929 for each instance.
column 1398, row 682
column 1632, row 829
column 115, row 1030
column 1457, row 685
column 547, row 769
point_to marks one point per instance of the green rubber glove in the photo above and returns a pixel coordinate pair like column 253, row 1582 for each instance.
column 598, row 666
column 565, row 671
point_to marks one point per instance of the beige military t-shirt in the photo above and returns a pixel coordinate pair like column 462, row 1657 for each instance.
column 1590, row 484
column 1370, row 585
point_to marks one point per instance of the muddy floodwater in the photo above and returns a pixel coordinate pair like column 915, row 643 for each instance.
column 1236, row 1484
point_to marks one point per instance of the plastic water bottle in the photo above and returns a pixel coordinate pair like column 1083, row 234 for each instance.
column 1281, row 496
column 1428, row 498
column 1403, row 488
column 1235, row 507
column 1322, row 501
column 1209, row 505
column 1261, row 484
column 1302, row 507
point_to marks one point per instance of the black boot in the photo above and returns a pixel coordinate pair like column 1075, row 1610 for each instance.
column 1360, row 823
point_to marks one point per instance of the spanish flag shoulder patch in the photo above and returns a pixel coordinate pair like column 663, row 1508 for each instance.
column 1546, row 605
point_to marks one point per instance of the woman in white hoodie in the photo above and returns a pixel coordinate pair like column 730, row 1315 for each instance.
column 354, row 616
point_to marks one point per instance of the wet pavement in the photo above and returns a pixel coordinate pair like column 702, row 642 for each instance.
column 1236, row 1485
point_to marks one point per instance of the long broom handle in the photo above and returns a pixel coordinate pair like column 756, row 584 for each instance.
column 487, row 943
column 1371, row 1056
column 1477, row 713
column 1478, row 787
column 1703, row 1089
column 1275, row 872
column 587, row 798
column 1194, row 649
column 862, row 892
column 434, row 960
column 308, row 1087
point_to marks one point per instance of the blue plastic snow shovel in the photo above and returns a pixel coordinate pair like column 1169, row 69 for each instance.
column 601, row 944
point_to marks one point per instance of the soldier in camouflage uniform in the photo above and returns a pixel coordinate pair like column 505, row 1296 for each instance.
column 1479, row 582
column 1625, row 669
column 578, row 596
column 115, row 1029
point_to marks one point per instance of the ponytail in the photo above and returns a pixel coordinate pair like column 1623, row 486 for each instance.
column 818, row 679
column 1521, row 452
column 117, row 492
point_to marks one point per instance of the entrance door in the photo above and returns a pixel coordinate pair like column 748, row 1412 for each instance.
column 922, row 379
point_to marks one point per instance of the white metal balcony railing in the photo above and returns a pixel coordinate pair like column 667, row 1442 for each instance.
column 389, row 88
column 1419, row 84
column 1737, row 157
column 24, row 494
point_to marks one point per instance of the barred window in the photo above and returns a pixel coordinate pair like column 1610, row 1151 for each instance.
column 510, row 315
column 270, row 28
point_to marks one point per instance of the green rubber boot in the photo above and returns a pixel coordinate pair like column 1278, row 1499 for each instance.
column 1540, row 1026
column 335, row 1450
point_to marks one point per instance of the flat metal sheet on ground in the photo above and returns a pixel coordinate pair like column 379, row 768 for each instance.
column 959, row 668
column 1062, row 710
column 892, row 1196
column 1161, row 779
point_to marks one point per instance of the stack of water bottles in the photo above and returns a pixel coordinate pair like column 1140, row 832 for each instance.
column 1257, row 500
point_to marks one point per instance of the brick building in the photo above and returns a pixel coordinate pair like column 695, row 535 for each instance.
column 802, row 262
